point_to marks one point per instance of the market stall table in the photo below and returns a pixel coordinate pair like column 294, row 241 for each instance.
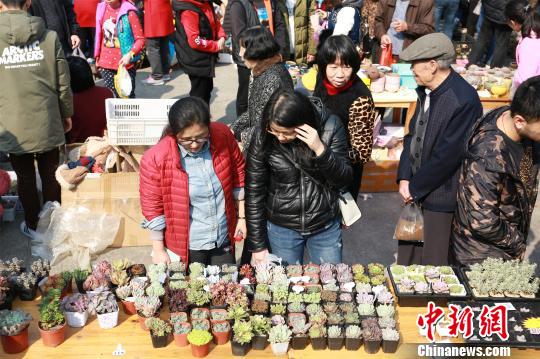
column 93, row 342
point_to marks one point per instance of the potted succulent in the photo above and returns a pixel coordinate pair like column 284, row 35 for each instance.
column 104, row 305
column 336, row 318
column 352, row 317
column 125, row 294
column 353, row 337
column 218, row 314
column 296, row 308
column 247, row 272
column 221, row 330
column 335, row 337
column 177, row 299
column 75, row 308
column 40, row 268
column 11, row 267
column 390, row 340
column 6, row 294
column 317, row 335
column 329, row 295
column 181, row 330
column 196, row 295
column 67, row 276
column 237, row 313
column 94, row 284
column 137, row 270
column 80, row 275
column 119, row 278
column 278, row 309
column 147, row 307
column 14, row 330
column 294, row 270
column 52, row 325
column 159, row 331
column 156, row 290
column 196, row 270
column 372, row 339
column 279, row 337
column 242, row 335
column 279, row 294
column 201, row 324
column 27, row 286
column 387, row 322
column 261, row 326
column 318, row 318
column 200, row 313
column 218, row 292
column 53, row 282
column 260, row 307
column 200, row 342
column 386, row 310
column 300, row 327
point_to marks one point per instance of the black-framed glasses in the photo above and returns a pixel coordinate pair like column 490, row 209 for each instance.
column 196, row 140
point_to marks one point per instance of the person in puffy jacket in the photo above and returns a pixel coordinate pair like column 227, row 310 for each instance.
column 191, row 189
column 297, row 164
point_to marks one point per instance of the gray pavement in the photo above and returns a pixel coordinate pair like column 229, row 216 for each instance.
column 368, row 240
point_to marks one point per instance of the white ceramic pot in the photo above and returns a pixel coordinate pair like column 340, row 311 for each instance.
column 75, row 319
column 392, row 82
column 377, row 85
column 108, row 320
column 280, row 348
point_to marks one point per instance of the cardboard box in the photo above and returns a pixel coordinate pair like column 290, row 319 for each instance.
column 116, row 193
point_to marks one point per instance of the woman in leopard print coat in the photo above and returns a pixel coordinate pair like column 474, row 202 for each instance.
column 342, row 91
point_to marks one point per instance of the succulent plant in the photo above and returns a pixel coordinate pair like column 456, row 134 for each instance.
column 123, row 292
column 279, row 293
column 259, row 306
column 119, row 277
column 294, row 270
column 301, row 328
column 317, row 331
column 102, row 303
column 229, row 268
column 327, row 267
column 75, row 303
column 440, row 287
column 295, row 298
column 80, row 275
column 196, row 294
column 177, row 267
column 247, row 271
column 201, row 324
column 446, row 270
column 347, row 307
column 390, row 334
column 138, row 283
column 372, row 334
column 296, row 307
column 370, row 322
column 262, row 297
column 50, row 312
column 121, row 264
column 102, row 270
column 147, row 306
column 179, row 317
column 366, row 309
column 196, row 269
column 334, row 331
column 178, row 284
column 386, row 310
column 385, row 297
column 352, row 318
column 26, row 280
column 344, row 277
column 456, row 289
column 40, row 268
column 155, row 290
column 158, row 327
column 11, row 267
column 358, row 269
column 260, row 324
column 336, row 318
column 330, row 307
column 237, row 313
column 263, row 274
column 199, row 313
column 242, row 332
column 93, row 283
column 387, row 322
column 312, row 297
column 311, row 268
column 277, row 319
column 353, row 332
column 329, row 296
column 363, row 298
column 278, row 309
column 181, row 327
column 199, row 337
column 345, row 297
column 378, row 280
column 221, row 327
column 12, row 322
column 218, row 314
column 318, row 318
column 375, row 269
column 279, row 334
column 313, row 308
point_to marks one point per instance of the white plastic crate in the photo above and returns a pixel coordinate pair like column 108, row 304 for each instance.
column 137, row 121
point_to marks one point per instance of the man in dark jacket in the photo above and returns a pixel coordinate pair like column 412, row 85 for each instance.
column 494, row 25
column 60, row 17
column 499, row 181
column 241, row 15
column 428, row 169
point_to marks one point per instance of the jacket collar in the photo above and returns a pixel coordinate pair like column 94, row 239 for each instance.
column 264, row 65
column 421, row 90
column 392, row 3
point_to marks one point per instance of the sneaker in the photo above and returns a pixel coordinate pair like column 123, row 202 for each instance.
column 27, row 231
column 152, row 81
column 166, row 78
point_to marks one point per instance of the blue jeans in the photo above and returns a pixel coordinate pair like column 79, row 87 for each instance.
column 323, row 247
column 445, row 13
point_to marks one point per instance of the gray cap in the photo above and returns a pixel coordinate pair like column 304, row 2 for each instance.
column 432, row 46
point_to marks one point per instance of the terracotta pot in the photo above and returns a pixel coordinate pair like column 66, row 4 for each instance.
column 200, row 351
column 221, row 338
column 54, row 337
column 15, row 343
column 129, row 307
column 142, row 320
column 181, row 340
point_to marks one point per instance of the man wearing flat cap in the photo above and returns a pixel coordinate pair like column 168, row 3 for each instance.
column 446, row 110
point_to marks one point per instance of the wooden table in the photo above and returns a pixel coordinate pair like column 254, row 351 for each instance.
column 94, row 342
column 489, row 103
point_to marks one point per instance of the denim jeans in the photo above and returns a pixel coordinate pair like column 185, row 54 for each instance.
column 323, row 247
column 445, row 14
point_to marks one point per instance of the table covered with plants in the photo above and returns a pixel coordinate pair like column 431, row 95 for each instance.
column 144, row 311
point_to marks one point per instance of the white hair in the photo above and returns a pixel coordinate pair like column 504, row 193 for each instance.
column 445, row 64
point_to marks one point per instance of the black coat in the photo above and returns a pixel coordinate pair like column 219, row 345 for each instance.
column 454, row 108
column 277, row 192
column 494, row 10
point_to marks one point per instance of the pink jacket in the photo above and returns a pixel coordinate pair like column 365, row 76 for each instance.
column 528, row 60
column 164, row 185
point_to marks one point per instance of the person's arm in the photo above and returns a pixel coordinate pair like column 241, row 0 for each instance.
column 238, row 19
column 138, row 33
column 280, row 31
column 528, row 61
column 190, row 20
column 481, row 202
column 312, row 46
column 426, row 22
column 404, row 172
column 380, row 28
column 71, row 17
column 447, row 154
column 344, row 21
column 63, row 85
column 362, row 116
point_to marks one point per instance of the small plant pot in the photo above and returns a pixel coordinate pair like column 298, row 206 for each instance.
column 372, row 346
column 53, row 337
column 142, row 320
column 76, row 319
column 159, row 341
column 353, row 343
column 335, row 343
column 218, row 310
column 200, row 351
column 221, row 338
column 299, row 342
column 128, row 306
column 259, row 342
column 206, row 310
column 181, row 340
column 28, row 294
column 14, row 344
column 280, row 348
column 80, row 286
column 108, row 320
column 390, row 346
column 239, row 350
column 318, row 343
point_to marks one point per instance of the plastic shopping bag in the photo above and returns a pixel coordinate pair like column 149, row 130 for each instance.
column 122, row 82
column 410, row 226
column 386, row 56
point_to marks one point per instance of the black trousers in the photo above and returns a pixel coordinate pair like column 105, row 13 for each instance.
column 435, row 248
column 488, row 31
column 201, row 87
column 157, row 49
column 472, row 18
column 358, row 169
column 87, row 35
column 108, row 78
column 243, row 89
column 216, row 256
column 23, row 165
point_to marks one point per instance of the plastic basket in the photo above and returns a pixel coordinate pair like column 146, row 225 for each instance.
column 136, row 121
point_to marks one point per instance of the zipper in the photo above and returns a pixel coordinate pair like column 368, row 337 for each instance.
column 302, row 201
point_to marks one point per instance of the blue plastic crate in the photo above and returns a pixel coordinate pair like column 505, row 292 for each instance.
column 406, row 75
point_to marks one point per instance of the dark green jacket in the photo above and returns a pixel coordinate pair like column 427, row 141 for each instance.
column 304, row 43
column 36, row 94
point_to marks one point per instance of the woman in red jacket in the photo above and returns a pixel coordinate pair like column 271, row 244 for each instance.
column 86, row 18
column 158, row 25
column 192, row 189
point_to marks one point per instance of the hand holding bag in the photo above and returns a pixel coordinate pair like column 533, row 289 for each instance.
column 410, row 226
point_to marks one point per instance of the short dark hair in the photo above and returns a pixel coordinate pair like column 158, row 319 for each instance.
column 525, row 102
column 80, row 72
column 186, row 112
column 338, row 47
column 531, row 25
column 18, row 4
column 259, row 43
column 517, row 11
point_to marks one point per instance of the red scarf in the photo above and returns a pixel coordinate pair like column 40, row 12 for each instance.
column 332, row 90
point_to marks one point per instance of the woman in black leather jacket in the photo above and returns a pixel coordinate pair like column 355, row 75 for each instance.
column 297, row 164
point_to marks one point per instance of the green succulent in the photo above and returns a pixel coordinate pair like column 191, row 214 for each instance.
column 158, row 327
column 12, row 322
column 353, row 332
column 155, row 290
column 242, row 332
column 178, row 284
column 279, row 309
column 279, row 334
column 334, row 331
column 352, row 318
column 80, row 275
column 237, row 313
column 313, row 308
column 182, row 328
column 199, row 337
column 221, row 327
column 196, row 269
column 317, row 331
column 201, row 324
column 260, row 324
column 50, row 312
column 366, row 309
column 386, row 310
column 312, row 297
column 295, row 298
